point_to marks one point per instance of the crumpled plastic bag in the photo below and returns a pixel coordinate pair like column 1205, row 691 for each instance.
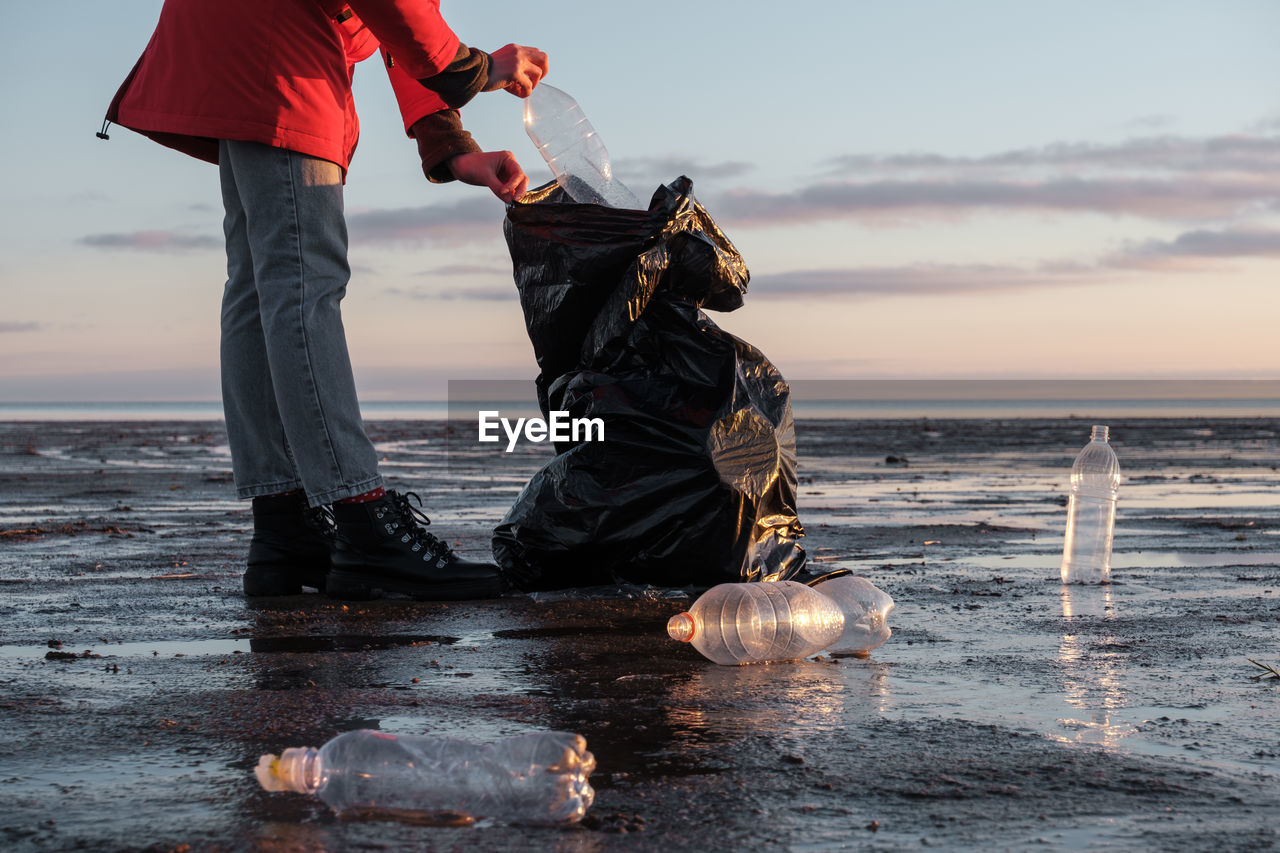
column 695, row 480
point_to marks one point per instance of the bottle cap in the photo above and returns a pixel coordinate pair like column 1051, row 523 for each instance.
column 267, row 772
column 681, row 627
column 292, row 770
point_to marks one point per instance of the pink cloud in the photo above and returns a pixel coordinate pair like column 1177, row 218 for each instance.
column 153, row 241
column 889, row 201
column 471, row 220
column 8, row 327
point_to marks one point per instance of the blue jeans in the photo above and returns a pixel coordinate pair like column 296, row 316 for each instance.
column 293, row 419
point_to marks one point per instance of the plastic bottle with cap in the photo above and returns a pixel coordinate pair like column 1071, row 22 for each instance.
column 866, row 610
column 573, row 149
column 1091, row 512
column 538, row 778
column 758, row 622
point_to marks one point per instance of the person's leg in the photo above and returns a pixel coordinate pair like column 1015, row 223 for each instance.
column 297, row 240
column 259, row 453
column 304, row 403
column 289, row 547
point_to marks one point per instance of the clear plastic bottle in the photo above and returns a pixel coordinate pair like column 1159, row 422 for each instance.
column 573, row 149
column 756, row 622
column 538, row 778
column 1091, row 512
column 866, row 611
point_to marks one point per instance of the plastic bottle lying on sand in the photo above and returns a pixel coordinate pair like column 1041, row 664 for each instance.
column 866, row 611
column 1091, row 512
column 538, row 778
column 757, row 622
column 573, row 149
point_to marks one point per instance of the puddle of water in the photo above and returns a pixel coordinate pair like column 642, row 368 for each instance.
column 1126, row 560
column 204, row 459
column 221, row 647
column 1207, row 496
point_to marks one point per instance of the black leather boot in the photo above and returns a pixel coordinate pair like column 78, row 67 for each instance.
column 382, row 546
column 290, row 546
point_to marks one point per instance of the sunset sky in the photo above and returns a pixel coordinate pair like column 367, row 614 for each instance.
column 920, row 189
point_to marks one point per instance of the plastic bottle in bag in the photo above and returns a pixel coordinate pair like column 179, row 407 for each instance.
column 866, row 612
column 538, row 778
column 573, row 149
column 1091, row 512
column 756, row 622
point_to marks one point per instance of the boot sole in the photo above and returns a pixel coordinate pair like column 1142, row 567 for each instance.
column 262, row 582
column 352, row 586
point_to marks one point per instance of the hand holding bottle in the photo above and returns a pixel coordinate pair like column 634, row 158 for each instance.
column 517, row 69
column 497, row 170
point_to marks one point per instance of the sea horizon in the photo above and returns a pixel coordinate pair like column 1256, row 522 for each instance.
column 803, row 409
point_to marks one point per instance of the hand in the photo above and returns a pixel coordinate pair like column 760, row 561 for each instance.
column 497, row 170
column 517, row 69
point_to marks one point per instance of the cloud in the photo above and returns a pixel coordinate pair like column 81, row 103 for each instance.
column 890, row 201
column 477, row 294
column 1250, row 153
column 470, row 220
column 915, row 280
column 153, row 241
column 1199, row 245
column 673, row 166
column 1186, row 252
column 1158, row 177
column 8, row 326
column 467, row 269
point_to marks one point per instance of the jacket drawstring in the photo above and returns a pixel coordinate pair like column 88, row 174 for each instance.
column 102, row 134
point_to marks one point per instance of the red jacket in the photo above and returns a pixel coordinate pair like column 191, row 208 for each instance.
column 277, row 72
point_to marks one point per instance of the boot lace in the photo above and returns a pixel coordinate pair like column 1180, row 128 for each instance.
column 415, row 522
column 320, row 519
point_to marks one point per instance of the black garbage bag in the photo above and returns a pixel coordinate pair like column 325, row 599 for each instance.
column 695, row 480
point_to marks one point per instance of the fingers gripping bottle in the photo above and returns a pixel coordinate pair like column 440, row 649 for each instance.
column 756, row 622
column 1091, row 512
column 573, row 149
column 538, row 778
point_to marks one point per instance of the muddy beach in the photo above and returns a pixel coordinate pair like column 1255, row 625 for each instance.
column 138, row 687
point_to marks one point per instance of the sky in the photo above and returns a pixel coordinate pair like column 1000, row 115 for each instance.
column 921, row 190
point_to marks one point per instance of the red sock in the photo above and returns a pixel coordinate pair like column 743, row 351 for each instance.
column 371, row 495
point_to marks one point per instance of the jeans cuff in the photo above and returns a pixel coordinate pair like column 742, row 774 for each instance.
column 346, row 491
column 246, row 492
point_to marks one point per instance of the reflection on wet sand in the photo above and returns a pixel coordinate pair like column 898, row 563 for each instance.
column 1092, row 674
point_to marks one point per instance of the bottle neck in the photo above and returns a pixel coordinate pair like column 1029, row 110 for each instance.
column 1100, row 433
column 682, row 627
column 301, row 769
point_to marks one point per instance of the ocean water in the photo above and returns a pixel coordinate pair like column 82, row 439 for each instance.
column 1100, row 408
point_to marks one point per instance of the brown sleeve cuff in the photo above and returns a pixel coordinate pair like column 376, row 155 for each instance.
column 463, row 79
column 441, row 137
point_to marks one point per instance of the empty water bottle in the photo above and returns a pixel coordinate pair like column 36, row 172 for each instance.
column 866, row 612
column 756, row 622
column 538, row 778
column 1091, row 512
column 573, row 149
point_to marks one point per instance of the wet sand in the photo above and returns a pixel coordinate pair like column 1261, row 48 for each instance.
column 138, row 687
